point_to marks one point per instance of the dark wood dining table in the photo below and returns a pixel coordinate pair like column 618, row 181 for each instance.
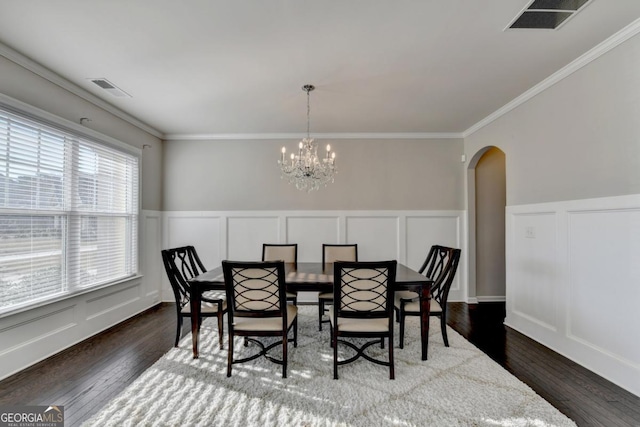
column 310, row 276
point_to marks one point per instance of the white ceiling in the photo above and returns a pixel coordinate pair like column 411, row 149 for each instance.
column 213, row 67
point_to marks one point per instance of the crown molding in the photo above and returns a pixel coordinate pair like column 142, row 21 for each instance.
column 54, row 78
column 372, row 135
column 615, row 40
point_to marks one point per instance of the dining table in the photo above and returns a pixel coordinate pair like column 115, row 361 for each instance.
column 312, row 277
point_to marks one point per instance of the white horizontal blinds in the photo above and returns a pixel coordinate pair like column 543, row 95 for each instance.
column 31, row 258
column 32, row 220
column 105, row 214
column 68, row 212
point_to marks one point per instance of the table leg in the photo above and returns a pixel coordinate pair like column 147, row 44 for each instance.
column 196, row 302
column 425, row 297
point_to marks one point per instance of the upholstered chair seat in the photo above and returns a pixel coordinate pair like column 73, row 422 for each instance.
column 265, row 323
column 413, row 307
column 347, row 324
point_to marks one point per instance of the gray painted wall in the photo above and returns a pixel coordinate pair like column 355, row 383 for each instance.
column 578, row 139
column 25, row 86
column 373, row 175
column 490, row 226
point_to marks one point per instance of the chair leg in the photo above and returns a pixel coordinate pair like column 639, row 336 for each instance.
column 230, row 355
column 331, row 336
column 382, row 343
column 392, row 374
column 402, row 317
column 220, row 316
column 334, row 343
column 284, row 355
column 320, row 313
column 443, row 327
column 178, row 332
column 295, row 332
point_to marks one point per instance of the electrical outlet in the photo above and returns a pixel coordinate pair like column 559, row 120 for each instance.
column 530, row 232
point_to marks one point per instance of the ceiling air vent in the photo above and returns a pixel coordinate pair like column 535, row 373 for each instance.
column 547, row 14
column 107, row 86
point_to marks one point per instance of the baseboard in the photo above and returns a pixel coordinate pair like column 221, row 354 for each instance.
column 481, row 299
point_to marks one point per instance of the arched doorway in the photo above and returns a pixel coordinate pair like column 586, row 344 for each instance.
column 486, row 184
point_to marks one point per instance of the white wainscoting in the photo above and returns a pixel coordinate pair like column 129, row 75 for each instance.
column 573, row 281
column 402, row 235
column 33, row 335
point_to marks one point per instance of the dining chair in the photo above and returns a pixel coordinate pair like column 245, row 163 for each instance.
column 362, row 308
column 182, row 264
column 441, row 265
column 287, row 252
column 330, row 254
column 257, row 307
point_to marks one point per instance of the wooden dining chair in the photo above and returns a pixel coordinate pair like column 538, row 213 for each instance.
column 182, row 264
column 256, row 298
column 362, row 308
column 330, row 254
column 287, row 252
column 441, row 264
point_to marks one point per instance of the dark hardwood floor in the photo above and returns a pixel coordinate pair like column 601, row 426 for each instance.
column 86, row 376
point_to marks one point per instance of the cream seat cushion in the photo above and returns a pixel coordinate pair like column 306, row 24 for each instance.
column 347, row 324
column 208, row 307
column 264, row 323
column 414, row 306
column 326, row 296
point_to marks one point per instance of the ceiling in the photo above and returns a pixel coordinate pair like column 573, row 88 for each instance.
column 211, row 68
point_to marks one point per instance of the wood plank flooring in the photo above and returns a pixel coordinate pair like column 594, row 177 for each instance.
column 86, row 376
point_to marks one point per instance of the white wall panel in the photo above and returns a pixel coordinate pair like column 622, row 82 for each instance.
column 310, row 232
column 202, row 231
column 604, row 268
column 573, row 275
column 535, row 255
column 46, row 325
column 377, row 237
column 150, row 258
column 245, row 236
column 110, row 300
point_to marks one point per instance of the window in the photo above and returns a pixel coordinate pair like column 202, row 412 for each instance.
column 68, row 212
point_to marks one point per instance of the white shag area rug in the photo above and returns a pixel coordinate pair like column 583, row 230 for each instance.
column 457, row 386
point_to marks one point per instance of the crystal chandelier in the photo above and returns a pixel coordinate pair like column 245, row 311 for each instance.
column 305, row 169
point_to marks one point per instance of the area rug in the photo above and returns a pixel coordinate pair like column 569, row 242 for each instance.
column 458, row 386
